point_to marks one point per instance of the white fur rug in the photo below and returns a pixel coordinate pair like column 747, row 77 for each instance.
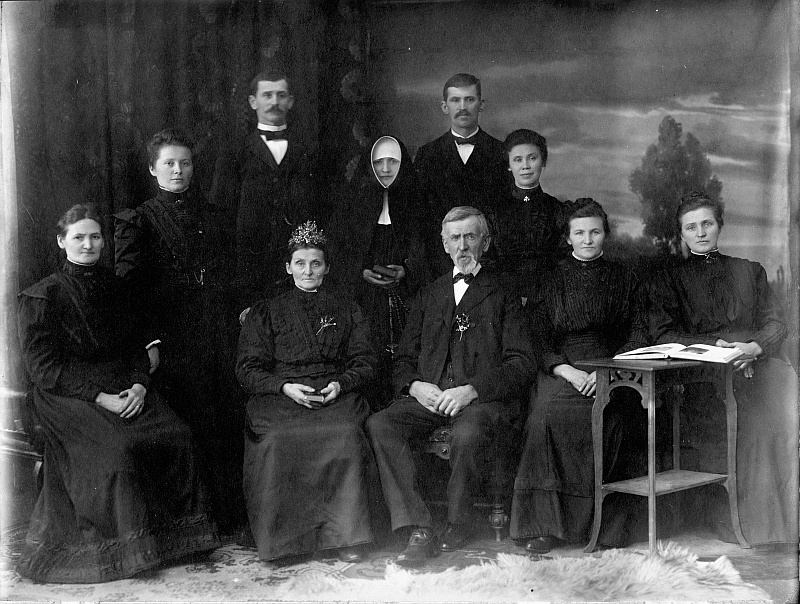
column 672, row 574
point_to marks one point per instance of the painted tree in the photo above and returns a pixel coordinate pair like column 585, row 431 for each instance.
column 670, row 169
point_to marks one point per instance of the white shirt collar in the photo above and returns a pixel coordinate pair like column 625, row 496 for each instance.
column 474, row 271
column 454, row 133
column 270, row 128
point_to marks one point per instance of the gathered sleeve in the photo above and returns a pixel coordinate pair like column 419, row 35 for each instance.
column 546, row 352
column 770, row 329
column 256, row 355
column 48, row 364
column 517, row 368
column 639, row 331
column 359, row 367
column 666, row 314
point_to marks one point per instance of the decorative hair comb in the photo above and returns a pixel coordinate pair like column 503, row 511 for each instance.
column 307, row 234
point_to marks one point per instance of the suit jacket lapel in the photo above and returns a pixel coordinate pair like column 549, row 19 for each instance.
column 445, row 299
column 259, row 148
column 480, row 287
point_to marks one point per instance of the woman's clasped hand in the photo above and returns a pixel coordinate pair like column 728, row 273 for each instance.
column 299, row 394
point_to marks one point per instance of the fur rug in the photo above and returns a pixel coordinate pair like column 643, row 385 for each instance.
column 672, row 574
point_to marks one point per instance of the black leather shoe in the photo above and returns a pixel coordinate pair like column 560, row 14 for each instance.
column 541, row 545
column 453, row 538
column 421, row 547
column 351, row 554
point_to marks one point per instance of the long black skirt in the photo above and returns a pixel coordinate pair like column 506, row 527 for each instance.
column 554, row 487
column 306, row 475
column 120, row 495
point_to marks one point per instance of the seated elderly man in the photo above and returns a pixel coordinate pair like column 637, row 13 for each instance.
column 465, row 360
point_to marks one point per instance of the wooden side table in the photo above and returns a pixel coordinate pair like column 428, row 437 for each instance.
column 647, row 377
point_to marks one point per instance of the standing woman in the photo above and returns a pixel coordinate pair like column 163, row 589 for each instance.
column 304, row 357
column 528, row 224
column 173, row 256
column 588, row 307
column 121, row 491
column 711, row 298
column 381, row 249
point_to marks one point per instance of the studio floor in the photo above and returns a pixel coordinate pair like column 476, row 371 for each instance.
column 772, row 568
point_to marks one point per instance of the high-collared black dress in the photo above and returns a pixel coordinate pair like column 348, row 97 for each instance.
column 306, row 470
column 707, row 298
column 528, row 230
column 174, row 258
column 120, row 495
column 583, row 310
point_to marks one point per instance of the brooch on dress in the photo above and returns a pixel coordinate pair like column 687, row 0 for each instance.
column 326, row 321
column 462, row 324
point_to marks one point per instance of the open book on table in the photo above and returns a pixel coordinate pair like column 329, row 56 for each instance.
column 695, row 352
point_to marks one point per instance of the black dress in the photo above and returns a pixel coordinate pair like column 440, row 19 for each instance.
column 120, row 495
column 697, row 302
column 528, row 227
column 306, row 471
column 173, row 256
column 584, row 310
column 360, row 243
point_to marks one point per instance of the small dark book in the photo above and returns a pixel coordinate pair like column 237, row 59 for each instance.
column 315, row 397
column 384, row 271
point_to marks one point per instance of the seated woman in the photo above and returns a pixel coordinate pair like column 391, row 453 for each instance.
column 528, row 224
column 303, row 356
column 174, row 257
column 587, row 307
column 711, row 298
column 121, row 491
column 387, row 214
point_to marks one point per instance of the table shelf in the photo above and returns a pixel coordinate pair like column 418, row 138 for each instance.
column 669, row 481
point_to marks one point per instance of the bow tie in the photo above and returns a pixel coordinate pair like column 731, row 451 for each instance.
column 459, row 276
column 472, row 140
column 273, row 136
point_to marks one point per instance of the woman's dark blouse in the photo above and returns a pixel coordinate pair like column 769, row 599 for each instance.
column 172, row 245
column 528, row 229
column 587, row 309
column 77, row 341
column 701, row 300
column 283, row 341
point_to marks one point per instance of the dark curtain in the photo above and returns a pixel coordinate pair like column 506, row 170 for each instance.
column 92, row 80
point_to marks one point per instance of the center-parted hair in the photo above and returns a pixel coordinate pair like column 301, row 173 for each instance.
column 76, row 213
column 464, row 212
column 461, row 80
column 168, row 136
column 696, row 200
column 586, row 207
column 523, row 136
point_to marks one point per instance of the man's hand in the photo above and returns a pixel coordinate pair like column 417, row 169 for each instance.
column 297, row 392
column 426, row 394
column 453, row 400
column 155, row 358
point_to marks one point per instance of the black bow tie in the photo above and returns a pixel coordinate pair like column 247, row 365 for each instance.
column 270, row 135
column 472, row 140
column 467, row 278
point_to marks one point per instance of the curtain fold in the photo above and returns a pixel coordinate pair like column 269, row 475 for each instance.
column 96, row 78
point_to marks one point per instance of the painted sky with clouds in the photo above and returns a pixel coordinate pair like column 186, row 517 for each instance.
column 597, row 78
